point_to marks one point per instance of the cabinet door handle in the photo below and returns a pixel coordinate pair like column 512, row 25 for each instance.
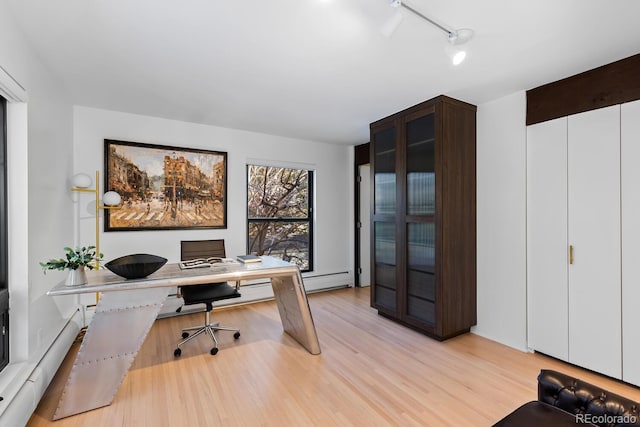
column 570, row 254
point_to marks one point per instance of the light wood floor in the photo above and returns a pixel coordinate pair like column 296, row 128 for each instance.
column 372, row 372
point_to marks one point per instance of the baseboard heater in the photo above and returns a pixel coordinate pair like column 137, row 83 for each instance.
column 23, row 404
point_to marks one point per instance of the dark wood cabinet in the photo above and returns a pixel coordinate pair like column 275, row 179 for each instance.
column 423, row 217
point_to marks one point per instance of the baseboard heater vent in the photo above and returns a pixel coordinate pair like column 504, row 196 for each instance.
column 23, row 404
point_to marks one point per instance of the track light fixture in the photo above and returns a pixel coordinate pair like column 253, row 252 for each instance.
column 455, row 38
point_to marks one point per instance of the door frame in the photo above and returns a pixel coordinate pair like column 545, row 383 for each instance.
column 361, row 157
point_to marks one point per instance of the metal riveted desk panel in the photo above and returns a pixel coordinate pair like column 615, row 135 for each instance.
column 127, row 309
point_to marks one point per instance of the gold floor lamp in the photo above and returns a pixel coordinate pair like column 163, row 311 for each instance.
column 110, row 200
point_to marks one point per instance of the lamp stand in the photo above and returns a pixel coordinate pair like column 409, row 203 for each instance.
column 96, row 193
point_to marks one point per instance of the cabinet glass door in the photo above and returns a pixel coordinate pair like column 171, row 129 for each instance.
column 384, row 219
column 385, row 264
column 420, row 210
column 385, row 171
column 421, row 284
column 421, row 195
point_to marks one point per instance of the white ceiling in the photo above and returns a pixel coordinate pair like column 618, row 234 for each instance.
column 313, row 69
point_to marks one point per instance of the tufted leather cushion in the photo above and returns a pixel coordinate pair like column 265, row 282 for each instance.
column 588, row 402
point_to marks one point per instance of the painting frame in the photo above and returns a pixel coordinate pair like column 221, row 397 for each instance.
column 164, row 187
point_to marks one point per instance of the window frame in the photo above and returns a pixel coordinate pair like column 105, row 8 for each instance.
column 310, row 207
column 4, row 240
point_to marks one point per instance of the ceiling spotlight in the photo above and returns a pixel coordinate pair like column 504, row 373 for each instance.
column 461, row 36
column 455, row 38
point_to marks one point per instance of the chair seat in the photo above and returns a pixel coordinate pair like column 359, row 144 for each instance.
column 209, row 292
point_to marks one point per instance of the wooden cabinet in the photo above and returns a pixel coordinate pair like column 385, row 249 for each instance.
column 423, row 217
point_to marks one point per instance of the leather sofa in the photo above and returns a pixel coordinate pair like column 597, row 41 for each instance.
column 567, row 401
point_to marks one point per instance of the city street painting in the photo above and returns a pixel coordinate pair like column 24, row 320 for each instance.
column 164, row 187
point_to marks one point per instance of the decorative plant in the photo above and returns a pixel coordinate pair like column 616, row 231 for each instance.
column 84, row 256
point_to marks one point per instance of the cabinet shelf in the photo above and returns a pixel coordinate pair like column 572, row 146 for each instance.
column 385, row 153
column 421, row 142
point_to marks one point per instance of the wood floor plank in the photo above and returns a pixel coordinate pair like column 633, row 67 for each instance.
column 372, row 372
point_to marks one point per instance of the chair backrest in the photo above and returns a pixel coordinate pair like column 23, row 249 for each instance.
column 191, row 249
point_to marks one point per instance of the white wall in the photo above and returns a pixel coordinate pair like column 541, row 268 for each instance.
column 40, row 211
column 50, row 208
column 501, row 220
column 333, row 192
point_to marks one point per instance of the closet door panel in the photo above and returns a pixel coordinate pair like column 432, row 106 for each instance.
column 630, row 172
column 547, row 258
column 595, row 337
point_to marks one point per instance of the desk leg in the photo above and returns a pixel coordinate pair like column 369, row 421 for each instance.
column 294, row 311
column 120, row 324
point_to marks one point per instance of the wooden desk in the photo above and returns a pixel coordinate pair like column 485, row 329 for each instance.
column 127, row 309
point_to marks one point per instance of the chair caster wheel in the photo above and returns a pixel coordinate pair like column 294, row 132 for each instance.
column 185, row 334
column 236, row 335
column 177, row 352
column 214, row 351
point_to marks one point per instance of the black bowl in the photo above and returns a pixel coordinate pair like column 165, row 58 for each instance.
column 136, row 266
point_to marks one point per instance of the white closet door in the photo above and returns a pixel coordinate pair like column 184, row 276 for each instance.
column 630, row 168
column 595, row 336
column 547, row 259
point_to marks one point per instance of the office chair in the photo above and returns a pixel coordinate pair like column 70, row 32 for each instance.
column 206, row 293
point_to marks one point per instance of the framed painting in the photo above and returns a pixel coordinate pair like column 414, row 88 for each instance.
column 164, row 187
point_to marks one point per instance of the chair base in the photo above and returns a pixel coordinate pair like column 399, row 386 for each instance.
column 210, row 329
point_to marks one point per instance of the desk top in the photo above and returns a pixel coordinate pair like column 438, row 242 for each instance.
column 173, row 275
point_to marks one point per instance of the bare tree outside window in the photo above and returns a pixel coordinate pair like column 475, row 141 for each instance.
column 279, row 212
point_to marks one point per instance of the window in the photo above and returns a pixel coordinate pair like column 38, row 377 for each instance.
column 279, row 214
column 4, row 291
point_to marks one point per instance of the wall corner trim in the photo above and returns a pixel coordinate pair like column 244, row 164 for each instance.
column 10, row 88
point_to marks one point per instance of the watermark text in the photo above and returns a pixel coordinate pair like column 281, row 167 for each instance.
column 605, row 419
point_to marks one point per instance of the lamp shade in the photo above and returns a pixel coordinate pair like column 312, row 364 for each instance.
column 111, row 198
column 82, row 180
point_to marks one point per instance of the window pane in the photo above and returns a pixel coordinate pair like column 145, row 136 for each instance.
column 288, row 240
column 4, row 242
column 279, row 222
column 4, row 292
column 277, row 192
